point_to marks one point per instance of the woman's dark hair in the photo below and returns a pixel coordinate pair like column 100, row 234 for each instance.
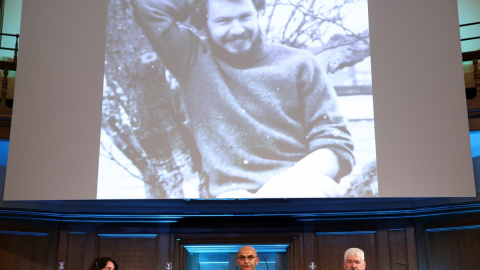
column 101, row 262
column 199, row 15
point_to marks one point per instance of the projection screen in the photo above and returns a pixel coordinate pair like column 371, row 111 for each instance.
column 102, row 113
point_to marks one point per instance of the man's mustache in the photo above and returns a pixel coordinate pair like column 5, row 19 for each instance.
column 231, row 38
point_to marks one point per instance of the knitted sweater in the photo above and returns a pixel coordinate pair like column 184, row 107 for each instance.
column 253, row 117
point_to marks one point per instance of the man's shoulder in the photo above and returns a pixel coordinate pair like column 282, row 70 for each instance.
column 287, row 50
column 291, row 54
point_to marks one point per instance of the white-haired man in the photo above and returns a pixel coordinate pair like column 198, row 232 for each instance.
column 354, row 259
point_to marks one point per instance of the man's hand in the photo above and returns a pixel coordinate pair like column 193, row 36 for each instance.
column 311, row 177
column 306, row 186
column 319, row 186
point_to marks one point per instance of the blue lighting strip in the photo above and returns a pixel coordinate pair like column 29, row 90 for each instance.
column 384, row 214
column 116, row 235
column 234, row 248
column 347, row 233
column 227, row 263
column 459, row 228
column 114, row 218
column 23, row 233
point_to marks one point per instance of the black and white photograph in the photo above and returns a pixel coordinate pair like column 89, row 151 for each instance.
column 225, row 99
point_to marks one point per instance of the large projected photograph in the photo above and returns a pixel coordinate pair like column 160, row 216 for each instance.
column 237, row 99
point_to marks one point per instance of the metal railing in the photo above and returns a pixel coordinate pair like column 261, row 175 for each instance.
column 473, row 108
column 469, row 56
column 469, row 24
column 15, row 54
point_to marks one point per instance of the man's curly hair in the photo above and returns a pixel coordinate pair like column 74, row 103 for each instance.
column 199, row 15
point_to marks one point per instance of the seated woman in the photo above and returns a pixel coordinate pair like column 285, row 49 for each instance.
column 104, row 263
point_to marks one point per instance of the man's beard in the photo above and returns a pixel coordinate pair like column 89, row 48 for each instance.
column 238, row 42
column 237, row 59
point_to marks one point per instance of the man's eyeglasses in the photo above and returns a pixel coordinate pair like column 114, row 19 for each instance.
column 249, row 257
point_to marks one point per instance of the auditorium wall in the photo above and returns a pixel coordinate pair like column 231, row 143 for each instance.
column 424, row 240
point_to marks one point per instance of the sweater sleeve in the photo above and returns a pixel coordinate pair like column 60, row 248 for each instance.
column 173, row 42
column 325, row 126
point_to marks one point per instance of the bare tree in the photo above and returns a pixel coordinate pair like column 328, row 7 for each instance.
column 309, row 24
column 140, row 118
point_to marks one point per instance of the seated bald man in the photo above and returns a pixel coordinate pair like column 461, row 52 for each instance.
column 247, row 258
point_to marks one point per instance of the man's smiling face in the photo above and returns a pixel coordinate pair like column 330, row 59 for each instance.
column 233, row 25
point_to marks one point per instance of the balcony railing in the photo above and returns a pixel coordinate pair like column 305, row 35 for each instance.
column 15, row 54
column 7, row 65
column 473, row 101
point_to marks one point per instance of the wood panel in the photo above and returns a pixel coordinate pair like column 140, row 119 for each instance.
column 411, row 242
column 453, row 250
column 166, row 245
column 76, row 252
column 24, row 250
column 383, row 249
column 62, row 250
column 399, row 244
column 398, row 250
column 330, row 248
column 307, row 250
column 90, row 249
column 131, row 251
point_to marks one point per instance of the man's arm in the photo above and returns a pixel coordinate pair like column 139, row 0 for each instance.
column 174, row 44
column 325, row 124
column 329, row 143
